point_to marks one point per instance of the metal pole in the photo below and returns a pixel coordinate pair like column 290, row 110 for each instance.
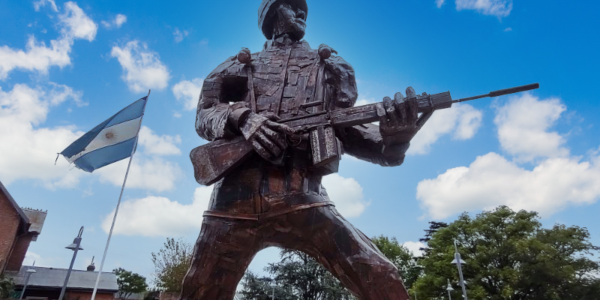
column 77, row 243
column 460, row 273
column 25, row 286
column 416, row 295
column 112, row 226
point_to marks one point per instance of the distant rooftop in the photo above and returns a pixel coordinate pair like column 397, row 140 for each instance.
column 32, row 219
column 55, row 277
column 36, row 219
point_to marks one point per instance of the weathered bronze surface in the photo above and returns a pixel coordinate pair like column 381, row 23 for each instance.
column 278, row 121
column 278, row 105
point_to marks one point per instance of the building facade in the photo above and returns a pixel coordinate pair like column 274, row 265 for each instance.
column 18, row 228
column 46, row 283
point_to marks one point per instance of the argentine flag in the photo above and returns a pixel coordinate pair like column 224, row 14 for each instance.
column 109, row 142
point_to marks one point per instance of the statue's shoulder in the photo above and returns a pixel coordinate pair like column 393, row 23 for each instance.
column 230, row 67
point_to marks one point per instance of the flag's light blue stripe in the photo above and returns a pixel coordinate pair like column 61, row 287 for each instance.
column 105, row 156
column 133, row 111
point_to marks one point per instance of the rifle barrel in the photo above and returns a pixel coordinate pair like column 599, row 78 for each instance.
column 512, row 90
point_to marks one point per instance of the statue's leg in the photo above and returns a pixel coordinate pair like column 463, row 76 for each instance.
column 222, row 254
column 345, row 251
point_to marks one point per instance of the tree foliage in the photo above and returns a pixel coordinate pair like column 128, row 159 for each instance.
column 262, row 288
column 510, row 256
column 129, row 282
column 433, row 228
column 296, row 276
column 171, row 263
column 401, row 257
column 7, row 287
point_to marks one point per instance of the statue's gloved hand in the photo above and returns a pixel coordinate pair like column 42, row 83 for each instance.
column 268, row 138
column 399, row 123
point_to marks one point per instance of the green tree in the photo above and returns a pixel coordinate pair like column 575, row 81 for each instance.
column 262, row 288
column 433, row 228
column 129, row 282
column 510, row 256
column 171, row 263
column 401, row 257
column 296, row 276
column 7, row 287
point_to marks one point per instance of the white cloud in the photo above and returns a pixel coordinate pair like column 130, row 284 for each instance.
column 556, row 181
column 37, row 56
column 414, row 247
column 28, row 150
column 491, row 180
column 41, row 3
column 74, row 23
column 364, row 101
column 347, row 194
column 188, row 92
column 508, row 29
column 77, row 25
column 159, row 216
column 31, row 258
column 60, row 93
column 180, row 35
column 522, row 127
column 117, row 22
column 142, row 68
column 158, row 145
column 462, row 121
column 498, row 8
column 148, row 173
column 439, row 3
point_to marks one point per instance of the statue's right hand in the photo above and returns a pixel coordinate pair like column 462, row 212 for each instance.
column 268, row 138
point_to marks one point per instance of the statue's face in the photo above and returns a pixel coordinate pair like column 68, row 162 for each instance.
column 292, row 20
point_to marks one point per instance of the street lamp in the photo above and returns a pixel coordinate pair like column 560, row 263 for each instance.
column 458, row 261
column 271, row 280
column 29, row 272
column 75, row 246
column 449, row 289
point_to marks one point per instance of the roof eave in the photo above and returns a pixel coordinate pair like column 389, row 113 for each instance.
column 18, row 209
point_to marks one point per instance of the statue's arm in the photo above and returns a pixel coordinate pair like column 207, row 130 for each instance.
column 364, row 142
column 216, row 118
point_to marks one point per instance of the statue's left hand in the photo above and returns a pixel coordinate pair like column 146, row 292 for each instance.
column 399, row 124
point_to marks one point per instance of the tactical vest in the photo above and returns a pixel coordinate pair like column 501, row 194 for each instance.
column 288, row 81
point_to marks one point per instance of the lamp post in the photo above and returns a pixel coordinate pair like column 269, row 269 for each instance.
column 29, row 272
column 75, row 246
column 458, row 261
column 449, row 289
column 271, row 280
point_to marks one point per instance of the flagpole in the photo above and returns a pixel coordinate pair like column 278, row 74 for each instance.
column 112, row 226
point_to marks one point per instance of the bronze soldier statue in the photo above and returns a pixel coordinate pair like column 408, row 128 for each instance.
column 267, row 157
column 276, row 198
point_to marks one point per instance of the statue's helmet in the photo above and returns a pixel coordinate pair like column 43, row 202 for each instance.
column 266, row 14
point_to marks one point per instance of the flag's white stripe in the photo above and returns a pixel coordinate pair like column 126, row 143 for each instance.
column 110, row 136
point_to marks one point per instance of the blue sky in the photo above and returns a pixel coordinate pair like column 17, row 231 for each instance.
column 67, row 66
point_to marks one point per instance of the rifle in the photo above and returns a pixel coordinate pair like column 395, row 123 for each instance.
column 216, row 159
